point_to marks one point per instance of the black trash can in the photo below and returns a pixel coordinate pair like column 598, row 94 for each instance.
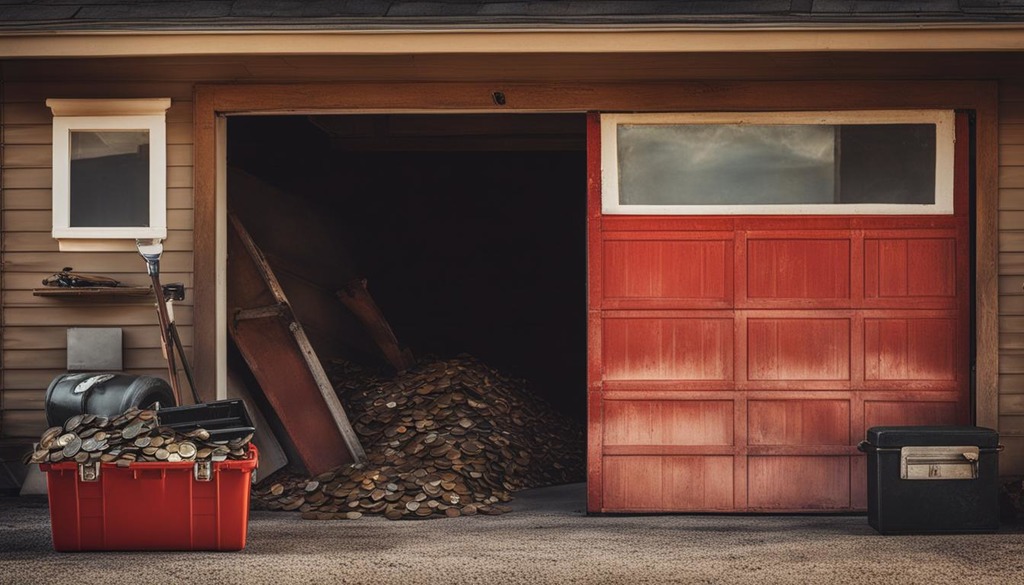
column 932, row 480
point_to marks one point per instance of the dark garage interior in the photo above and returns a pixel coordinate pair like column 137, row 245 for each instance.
column 468, row 229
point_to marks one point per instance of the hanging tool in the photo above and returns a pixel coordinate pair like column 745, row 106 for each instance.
column 150, row 250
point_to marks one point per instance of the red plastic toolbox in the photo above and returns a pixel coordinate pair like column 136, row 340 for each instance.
column 150, row 506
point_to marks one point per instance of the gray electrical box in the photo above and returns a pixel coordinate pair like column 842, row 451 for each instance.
column 95, row 349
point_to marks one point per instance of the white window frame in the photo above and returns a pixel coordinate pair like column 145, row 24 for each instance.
column 109, row 115
column 944, row 121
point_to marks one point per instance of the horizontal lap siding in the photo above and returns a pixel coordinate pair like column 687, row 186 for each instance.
column 34, row 328
column 1011, row 276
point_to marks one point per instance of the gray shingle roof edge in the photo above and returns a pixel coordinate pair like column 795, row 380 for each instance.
column 320, row 15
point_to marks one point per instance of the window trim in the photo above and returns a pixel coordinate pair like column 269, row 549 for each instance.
column 944, row 121
column 98, row 116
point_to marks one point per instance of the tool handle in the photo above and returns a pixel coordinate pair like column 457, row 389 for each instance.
column 165, row 337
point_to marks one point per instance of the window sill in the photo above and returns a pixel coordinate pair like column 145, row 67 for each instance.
column 99, row 245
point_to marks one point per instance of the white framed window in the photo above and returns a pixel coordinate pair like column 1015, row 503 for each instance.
column 846, row 162
column 109, row 169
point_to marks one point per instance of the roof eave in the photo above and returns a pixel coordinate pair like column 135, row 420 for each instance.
column 591, row 38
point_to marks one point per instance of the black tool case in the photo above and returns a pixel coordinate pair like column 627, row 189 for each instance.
column 104, row 394
column 932, row 480
column 224, row 419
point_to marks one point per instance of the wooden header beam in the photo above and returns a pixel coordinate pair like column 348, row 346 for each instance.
column 214, row 101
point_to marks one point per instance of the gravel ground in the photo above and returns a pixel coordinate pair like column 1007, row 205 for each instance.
column 547, row 539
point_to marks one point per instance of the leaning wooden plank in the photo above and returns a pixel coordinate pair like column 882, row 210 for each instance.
column 311, row 271
column 358, row 300
column 278, row 352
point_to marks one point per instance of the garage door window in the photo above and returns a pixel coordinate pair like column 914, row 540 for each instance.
column 779, row 163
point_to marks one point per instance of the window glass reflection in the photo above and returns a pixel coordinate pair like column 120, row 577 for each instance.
column 109, row 178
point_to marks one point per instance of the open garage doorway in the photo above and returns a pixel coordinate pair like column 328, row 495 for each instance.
column 468, row 233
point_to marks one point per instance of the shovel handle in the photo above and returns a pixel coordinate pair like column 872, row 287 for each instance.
column 165, row 336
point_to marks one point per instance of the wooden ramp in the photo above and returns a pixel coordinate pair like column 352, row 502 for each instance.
column 278, row 352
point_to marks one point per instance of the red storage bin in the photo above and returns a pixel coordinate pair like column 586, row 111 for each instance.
column 150, row 506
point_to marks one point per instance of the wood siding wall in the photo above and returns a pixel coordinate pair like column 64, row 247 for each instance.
column 33, row 344
column 1011, row 275
column 34, row 328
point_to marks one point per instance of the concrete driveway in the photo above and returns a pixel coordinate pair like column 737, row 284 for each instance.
column 547, row 539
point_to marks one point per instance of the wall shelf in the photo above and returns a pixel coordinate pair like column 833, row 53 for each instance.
column 93, row 292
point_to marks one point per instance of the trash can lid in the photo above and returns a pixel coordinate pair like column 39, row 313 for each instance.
column 932, row 436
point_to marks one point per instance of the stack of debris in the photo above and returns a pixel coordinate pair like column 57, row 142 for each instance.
column 444, row 438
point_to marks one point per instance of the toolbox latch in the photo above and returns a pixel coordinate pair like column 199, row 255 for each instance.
column 89, row 472
column 203, row 471
column 933, row 463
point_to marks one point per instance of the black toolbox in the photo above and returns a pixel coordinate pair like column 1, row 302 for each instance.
column 224, row 419
column 932, row 480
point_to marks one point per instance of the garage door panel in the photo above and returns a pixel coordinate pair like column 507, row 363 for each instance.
column 910, row 349
column 907, row 268
column 632, row 483
column 668, row 349
column 899, row 413
column 668, row 422
column 798, row 422
column 798, row 349
column 859, row 483
column 907, row 386
column 666, row 483
column 798, row 483
column 812, row 269
column 666, row 389
column 698, row 483
column 668, row 274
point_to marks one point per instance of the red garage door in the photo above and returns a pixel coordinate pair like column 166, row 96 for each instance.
column 736, row 359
